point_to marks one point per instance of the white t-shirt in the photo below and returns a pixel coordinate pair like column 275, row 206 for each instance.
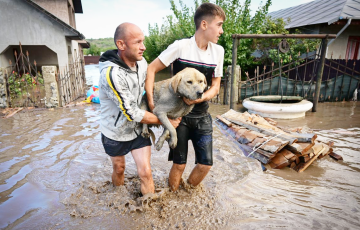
column 185, row 53
column 187, row 50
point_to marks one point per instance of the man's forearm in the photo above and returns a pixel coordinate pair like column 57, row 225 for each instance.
column 150, row 118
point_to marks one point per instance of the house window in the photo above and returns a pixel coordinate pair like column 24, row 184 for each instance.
column 352, row 51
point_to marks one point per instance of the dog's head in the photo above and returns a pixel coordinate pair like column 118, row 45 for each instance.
column 189, row 83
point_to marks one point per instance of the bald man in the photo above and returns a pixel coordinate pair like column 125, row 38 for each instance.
column 121, row 86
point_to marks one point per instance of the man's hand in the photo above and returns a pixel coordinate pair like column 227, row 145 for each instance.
column 175, row 122
column 151, row 105
column 191, row 102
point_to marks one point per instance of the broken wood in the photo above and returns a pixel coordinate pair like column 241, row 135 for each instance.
column 233, row 116
column 259, row 138
column 335, row 156
column 304, row 166
column 228, row 123
column 14, row 112
column 300, row 148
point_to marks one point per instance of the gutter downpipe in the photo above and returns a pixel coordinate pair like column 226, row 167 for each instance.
column 338, row 34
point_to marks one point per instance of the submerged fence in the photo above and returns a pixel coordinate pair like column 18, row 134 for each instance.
column 339, row 77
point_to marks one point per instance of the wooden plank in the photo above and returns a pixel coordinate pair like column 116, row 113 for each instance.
column 279, row 161
column 233, row 116
column 307, row 164
column 300, row 147
column 304, row 137
column 226, row 122
column 305, row 158
column 13, row 113
column 260, row 155
column 335, row 156
column 271, row 121
column 287, row 154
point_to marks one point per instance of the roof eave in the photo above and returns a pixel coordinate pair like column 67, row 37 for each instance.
column 79, row 36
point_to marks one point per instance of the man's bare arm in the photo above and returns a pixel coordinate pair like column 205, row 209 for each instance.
column 209, row 94
column 153, row 68
column 150, row 118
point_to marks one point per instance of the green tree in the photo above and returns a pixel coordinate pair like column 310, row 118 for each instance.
column 238, row 21
column 93, row 50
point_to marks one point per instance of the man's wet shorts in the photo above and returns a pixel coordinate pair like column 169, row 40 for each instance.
column 199, row 131
column 120, row 148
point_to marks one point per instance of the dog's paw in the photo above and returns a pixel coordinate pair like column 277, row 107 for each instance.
column 173, row 142
column 159, row 145
column 145, row 134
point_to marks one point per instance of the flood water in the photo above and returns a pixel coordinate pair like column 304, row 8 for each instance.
column 54, row 174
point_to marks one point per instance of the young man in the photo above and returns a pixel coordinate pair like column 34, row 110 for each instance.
column 121, row 86
column 202, row 53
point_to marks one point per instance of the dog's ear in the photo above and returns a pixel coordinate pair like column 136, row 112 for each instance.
column 205, row 82
column 176, row 81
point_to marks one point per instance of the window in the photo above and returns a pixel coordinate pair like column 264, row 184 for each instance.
column 352, row 51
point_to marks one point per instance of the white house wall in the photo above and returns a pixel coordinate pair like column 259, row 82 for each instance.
column 339, row 46
column 19, row 21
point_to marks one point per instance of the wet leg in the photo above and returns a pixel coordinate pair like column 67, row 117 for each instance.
column 198, row 174
column 142, row 160
column 175, row 176
column 118, row 170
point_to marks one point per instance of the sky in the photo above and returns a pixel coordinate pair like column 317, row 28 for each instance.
column 101, row 17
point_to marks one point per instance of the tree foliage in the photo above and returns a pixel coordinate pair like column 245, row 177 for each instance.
column 238, row 21
column 93, row 50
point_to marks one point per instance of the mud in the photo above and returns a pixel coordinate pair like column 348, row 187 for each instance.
column 54, row 174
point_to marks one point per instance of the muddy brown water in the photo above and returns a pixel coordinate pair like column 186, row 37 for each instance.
column 54, row 174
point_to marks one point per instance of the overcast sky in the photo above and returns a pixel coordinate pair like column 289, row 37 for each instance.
column 100, row 17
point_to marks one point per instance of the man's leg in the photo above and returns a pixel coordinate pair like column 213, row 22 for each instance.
column 175, row 176
column 198, row 174
column 202, row 142
column 142, row 161
column 118, row 163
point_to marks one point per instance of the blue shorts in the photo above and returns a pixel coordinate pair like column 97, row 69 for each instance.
column 120, row 148
column 199, row 131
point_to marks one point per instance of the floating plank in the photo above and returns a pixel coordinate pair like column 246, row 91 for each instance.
column 14, row 112
column 228, row 123
column 271, row 121
column 302, row 167
column 234, row 117
column 300, row 148
column 279, row 162
column 335, row 156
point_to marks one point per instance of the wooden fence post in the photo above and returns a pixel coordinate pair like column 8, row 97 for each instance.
column 233, row 74
column 320, row 73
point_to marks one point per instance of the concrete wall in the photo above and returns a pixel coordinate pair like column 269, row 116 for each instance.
column 41, row 54
column 339, row 46
column 59, row 8
column 19, row 21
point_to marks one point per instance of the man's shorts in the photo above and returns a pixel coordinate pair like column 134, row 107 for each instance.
column 120, row 148
column 199, row 131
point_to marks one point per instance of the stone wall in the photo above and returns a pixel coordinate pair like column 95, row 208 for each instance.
column 51, row 86
column 3, row 94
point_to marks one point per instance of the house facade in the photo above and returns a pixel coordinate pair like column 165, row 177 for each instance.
column 46, row 29
column 341, row 17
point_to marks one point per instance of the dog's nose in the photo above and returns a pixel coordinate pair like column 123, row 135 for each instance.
column 199, row 94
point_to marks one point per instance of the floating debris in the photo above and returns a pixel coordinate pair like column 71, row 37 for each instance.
column 263, row 140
